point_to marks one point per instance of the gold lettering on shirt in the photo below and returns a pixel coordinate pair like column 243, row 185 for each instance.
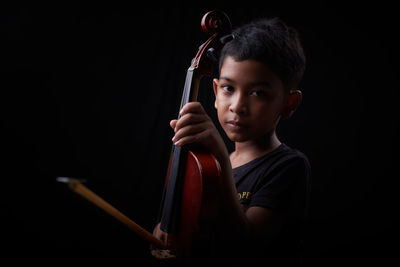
column 244, row 195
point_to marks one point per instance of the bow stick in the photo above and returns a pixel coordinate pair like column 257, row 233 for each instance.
column 76, row 186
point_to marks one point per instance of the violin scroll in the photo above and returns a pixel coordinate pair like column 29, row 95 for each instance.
column 218, row 24
column 216, row 21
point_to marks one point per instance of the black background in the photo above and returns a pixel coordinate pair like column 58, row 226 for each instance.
column 88, row 90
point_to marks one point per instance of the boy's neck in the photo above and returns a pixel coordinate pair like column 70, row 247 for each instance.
column 250, row 150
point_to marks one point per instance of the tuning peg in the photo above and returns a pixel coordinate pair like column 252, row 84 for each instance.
column 226, row 38
column 212, row 54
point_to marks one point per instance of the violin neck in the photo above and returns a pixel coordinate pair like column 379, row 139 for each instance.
column 172, row 194
column 191, row 87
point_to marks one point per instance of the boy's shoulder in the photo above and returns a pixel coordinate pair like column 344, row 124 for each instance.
column 286, row 157
column 282, row 159
column 283, row 154
column 293, row 154
column 284, row 149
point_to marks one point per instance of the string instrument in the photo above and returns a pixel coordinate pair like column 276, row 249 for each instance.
column 189, row 200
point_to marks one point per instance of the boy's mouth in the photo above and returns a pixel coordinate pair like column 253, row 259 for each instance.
column 234, row 125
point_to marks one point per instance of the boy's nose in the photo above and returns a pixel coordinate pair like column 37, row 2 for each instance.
column 239, row 105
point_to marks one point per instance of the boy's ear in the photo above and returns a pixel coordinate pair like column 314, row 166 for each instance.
column 292, row 102
column 215, row 86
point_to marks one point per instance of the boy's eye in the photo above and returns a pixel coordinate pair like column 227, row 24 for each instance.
column 258, row 93
column 227, row 88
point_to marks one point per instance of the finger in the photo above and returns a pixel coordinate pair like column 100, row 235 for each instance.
column 192, row 107
column 172, row 123
column 200, row 138
column 161, row 236
column 186, row 140
column 191, row 129
column 190, row 118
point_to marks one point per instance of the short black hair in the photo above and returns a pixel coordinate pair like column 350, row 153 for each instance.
column 272, row 42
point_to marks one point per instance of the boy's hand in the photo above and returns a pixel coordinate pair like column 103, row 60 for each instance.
column 160, row 253
column 195, row 126
column 158, row 233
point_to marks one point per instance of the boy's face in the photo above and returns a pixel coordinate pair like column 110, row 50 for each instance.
column 249, row 99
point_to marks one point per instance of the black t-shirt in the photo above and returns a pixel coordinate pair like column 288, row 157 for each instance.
column 279, row 181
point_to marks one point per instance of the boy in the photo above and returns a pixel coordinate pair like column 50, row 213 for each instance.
column 265, row 184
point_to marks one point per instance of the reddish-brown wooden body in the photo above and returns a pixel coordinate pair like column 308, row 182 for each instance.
column 199, row 201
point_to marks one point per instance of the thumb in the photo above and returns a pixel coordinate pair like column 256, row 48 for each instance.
column 172, row 123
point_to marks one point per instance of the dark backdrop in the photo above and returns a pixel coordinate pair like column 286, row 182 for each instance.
column 87, row 90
